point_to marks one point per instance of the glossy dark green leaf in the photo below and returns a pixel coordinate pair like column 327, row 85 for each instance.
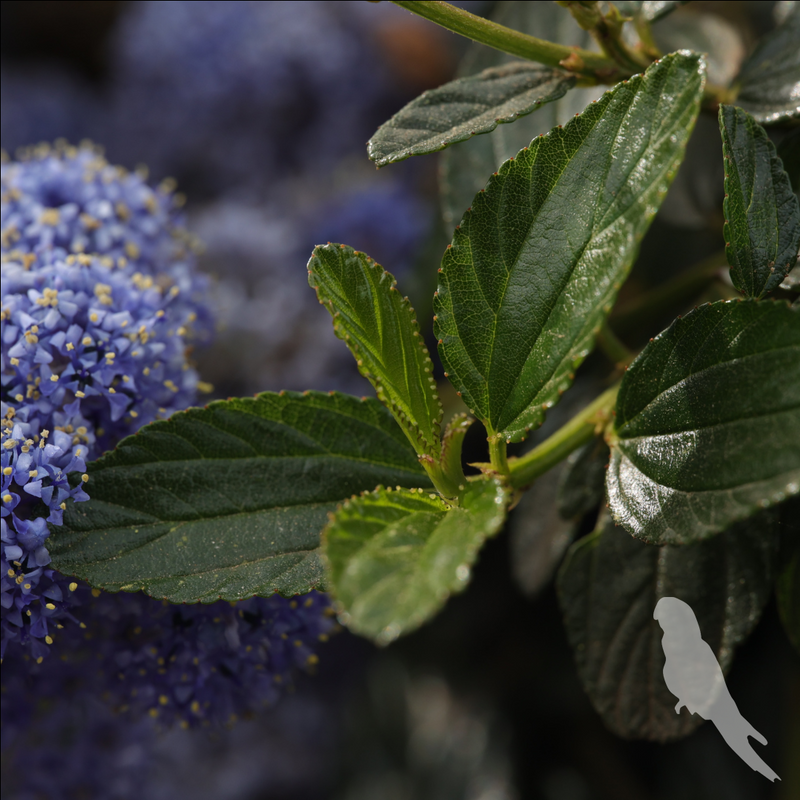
column 708, row 422
column 608, row 589
column 770, row 78
column 465, row 108
column 465, row 168
column 394, row 557
column 537, row 261
column 379, row 327
column 789, row 153
column 762, row 213
column 229, row 501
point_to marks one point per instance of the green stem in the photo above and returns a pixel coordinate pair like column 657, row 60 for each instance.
column 648, row 44
column 611, row 345
column 606, row 29
column 714, row 96
column 447, row 485
column 578, row 431
column 447, row 473
column 510, row 41
column 497, row 454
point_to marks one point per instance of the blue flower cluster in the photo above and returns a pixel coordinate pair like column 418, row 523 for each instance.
column 223, row 95
column 227, row 93
column 99, row 306
column 198, row 664
column 62, row 741
column 273, row 322
column 188, row 665
column 73, row 726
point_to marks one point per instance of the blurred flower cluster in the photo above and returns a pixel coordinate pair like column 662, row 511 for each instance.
column 220, row 94
column 265, row 131
column 261, row 110
column 101, row 306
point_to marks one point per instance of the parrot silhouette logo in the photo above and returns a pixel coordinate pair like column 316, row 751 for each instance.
column 693, row 675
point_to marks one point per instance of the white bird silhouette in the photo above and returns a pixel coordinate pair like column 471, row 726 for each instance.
column 693, row 675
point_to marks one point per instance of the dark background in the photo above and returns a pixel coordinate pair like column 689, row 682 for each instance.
column 265, row 129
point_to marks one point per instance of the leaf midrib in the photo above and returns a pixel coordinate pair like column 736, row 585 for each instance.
column 709, row 426
column 243, row 459
column 177, row 524
column 201, row 518
column 509, row 270
column 408, row 566
column 595, row 233
column 209, row 572
column 440, row 100
column 349, row 315
column 694, row 492
column 141, row 439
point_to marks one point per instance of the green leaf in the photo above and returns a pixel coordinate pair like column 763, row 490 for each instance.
column 762, row 214
column 394, row 557
column 465, row 108
column 608, row 588
column 536, row 263
column 770, row 78
column 229, row 501
column 464, row 168
column 379, row 327
column 708, row 422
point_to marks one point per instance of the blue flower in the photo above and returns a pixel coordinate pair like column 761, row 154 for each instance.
column 62, row 748
column 224, row 93
column 198, row 664
column 101, row 304
column 73, row 200
column 95, row 344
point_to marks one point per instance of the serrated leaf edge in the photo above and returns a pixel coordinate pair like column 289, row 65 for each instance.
column 583, row 346
column 408, row 425
column 403, row 154
column 502, row 495
column 772, row 282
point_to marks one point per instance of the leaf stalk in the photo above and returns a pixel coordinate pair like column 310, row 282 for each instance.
column 447, row 473
column 577, row 432
column 507, row 40
column 613, row 347
column 606, row 30
column 497, row 454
